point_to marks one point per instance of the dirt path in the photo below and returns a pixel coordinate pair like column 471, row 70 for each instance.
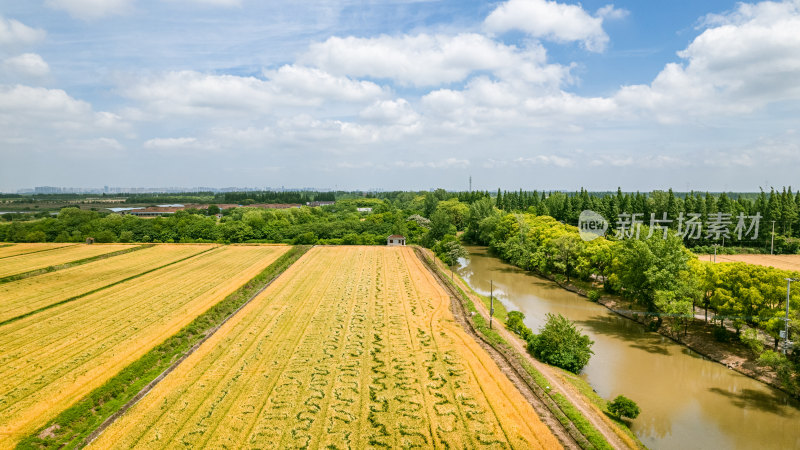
column 615, row 437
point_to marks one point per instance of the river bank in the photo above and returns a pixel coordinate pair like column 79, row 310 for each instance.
column 687, row 400
column 698, row 337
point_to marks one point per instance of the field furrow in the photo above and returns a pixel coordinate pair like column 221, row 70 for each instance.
column 51, row 359
column 30, row 294
column 9, row 250
column 352, row 347
column 42, row 259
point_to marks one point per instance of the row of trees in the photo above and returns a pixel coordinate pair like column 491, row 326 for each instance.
column 657, row 272
column 781, row 207
column 422, row 218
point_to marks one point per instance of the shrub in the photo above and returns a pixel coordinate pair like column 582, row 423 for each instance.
column 561, row 344
column 594, row 295
column 750, row 339
column 721, row 334
column 624, row 407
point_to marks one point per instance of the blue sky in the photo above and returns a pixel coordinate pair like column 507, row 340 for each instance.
column 532, row 94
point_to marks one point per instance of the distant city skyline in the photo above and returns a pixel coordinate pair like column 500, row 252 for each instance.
column 400, row 95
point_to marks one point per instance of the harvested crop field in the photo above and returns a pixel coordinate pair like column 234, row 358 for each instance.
column 51, row 359
column 783, row 262
column 39, row 260
column 352, row 347
column 9, row 250
column 30, row 294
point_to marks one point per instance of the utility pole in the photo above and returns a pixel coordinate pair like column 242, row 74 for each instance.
column 715, row 253
column 786, row 330
column 470, row 183
column 491, row 302
column 772, row 243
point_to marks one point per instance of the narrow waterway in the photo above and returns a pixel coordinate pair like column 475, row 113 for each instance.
column 686, row 400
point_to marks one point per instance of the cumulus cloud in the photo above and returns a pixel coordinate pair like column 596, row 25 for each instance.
column 27, row 65
column 91, row 9
column 431, row 60
column 15, row 34
column 39, row 118
column 390, row 112
column 551, row 20
column 189, row 92
column 741, row 62
column 610, row 12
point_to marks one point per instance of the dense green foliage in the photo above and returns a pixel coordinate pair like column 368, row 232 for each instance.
column 73, row 425
column 624, row 407
column 782, row 207
column 561, row 344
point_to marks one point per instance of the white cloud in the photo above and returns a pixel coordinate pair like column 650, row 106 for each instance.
column 609, row 12
column 191, row 93
column 182, row 145
column 448, row 163
column 15, row 34
column 742, row 62
column 431, row 60
column 317, row 85
column 390, row 112
column 551, row 20
column 91, row 9
column 27, row 65
column 39, row 119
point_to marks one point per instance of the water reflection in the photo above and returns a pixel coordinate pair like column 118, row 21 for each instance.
column 686, row 400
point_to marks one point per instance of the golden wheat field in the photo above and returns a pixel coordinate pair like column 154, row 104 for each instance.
column 29, row 294
column 39, row 260
column 8, row 250
column 352, row 347
column 53, row 358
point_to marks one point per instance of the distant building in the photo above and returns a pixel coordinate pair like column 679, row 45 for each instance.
column 154, row 211
column 364, row 210
column 313, row 204
column 396, row 239
column 47, row 190
column 275, row 205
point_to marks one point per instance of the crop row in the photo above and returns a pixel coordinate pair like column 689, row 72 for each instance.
column 30, row 294
column 51, row 359
column 352, row 347
column 39, row 260
column 9, row 250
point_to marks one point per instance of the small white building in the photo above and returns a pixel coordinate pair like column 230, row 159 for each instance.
column 364, row 210
column 396, row 239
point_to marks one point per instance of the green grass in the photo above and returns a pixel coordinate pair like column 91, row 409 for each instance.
column 587, row 391
column 75, row 424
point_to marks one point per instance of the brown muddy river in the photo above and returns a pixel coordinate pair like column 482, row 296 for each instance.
column 686, row 400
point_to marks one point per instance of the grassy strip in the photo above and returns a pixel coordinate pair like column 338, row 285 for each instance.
column 584, row 388
column 584, row 433
column 72, row 427
column 78, row 262
column 77, row 297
